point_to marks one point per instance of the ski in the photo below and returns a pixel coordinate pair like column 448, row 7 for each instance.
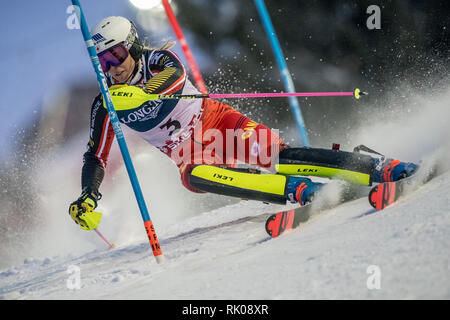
column 282, row 221
column 386, row 193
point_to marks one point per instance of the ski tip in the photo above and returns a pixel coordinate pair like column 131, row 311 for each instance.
column 373, row 197
column 270, row 223
column 383, row 195
column 280, row 222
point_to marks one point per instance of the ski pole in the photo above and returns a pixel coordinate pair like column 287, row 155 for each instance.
column 148, row 224
column 111, row 245
column 356, row 94
column 184, row 46
column 287, row 79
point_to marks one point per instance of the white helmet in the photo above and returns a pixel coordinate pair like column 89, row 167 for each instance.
column 114, row 30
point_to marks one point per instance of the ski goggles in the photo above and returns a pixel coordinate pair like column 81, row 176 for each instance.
column 113, row 56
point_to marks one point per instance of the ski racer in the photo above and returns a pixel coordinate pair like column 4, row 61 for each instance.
column 203, row 137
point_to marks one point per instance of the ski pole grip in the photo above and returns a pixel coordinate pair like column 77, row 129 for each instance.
column 358, row 93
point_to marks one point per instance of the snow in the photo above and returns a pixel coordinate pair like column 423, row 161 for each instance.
column 222, row 253
column 348, row 252
column 226, row 254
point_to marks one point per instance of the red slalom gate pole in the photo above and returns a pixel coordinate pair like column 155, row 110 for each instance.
column 184, row 46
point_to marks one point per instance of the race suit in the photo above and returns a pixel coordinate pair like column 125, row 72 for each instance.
column 170, row 124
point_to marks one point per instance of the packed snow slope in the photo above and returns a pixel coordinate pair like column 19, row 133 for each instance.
column 347, row 252
column 226, row 254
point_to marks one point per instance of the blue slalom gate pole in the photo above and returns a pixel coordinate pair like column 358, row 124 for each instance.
column 148, row 224
column 287, row 79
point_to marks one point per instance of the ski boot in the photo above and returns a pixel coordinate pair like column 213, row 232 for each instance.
column 390, row 170
column 302, row 190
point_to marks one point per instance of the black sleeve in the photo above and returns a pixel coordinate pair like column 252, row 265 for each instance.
column 96, row 156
